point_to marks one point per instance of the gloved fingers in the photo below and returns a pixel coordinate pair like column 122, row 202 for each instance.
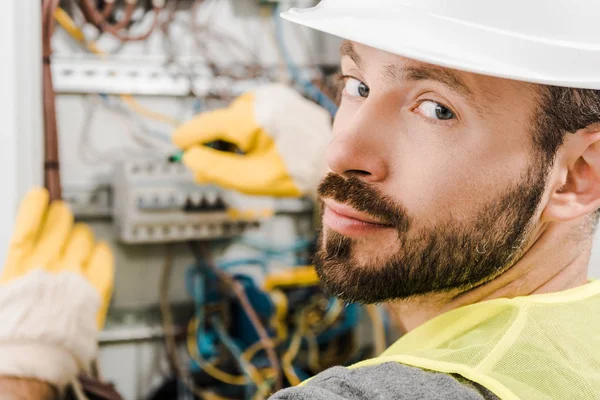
column 234, row 124
column 222, row 168
column 53, row 236
column 100, row 271
column 208, row 127
column 78, row 248
column 263, row 175
column 30, row 215
column 28, row 222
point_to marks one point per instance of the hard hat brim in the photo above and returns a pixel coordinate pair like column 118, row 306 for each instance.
column 460, row 45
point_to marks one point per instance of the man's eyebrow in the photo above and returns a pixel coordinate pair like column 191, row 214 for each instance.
column 347, row 50
column 428, row 73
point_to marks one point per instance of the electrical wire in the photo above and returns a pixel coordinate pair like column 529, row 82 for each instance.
column 202, row 252
column 251, row 374
column 313, row 352
column 206, row 366
column 265, row 14
column 266, row 247
column 247, row 368
column 78, row 390
column 311, row 90
column 258, row 262
column 93, row 15
column 67, row 23
column 90, row 155
column 253, row 349
column 168, row 327
column 96, row 17
column 288, row 357
column 206, row 35
column 51, row 154
column 333, row 313
column 141, row 110
column 109, row 6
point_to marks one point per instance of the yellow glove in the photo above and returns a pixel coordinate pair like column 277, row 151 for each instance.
column 282, row 137
column 54, row 294
column 45, row 237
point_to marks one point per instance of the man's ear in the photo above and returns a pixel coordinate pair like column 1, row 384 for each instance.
column 577, row 190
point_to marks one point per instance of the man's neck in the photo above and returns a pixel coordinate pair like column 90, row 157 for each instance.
column 556, row 260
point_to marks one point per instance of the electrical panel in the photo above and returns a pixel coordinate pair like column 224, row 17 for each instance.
column 157, row 201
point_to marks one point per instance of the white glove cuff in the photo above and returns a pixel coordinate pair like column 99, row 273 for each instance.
column 300, row 128
column 47, row 326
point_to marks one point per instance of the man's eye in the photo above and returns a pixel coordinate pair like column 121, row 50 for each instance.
column 434, row 110
column 354, row 87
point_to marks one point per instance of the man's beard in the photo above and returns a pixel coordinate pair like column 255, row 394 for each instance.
column 450, row 256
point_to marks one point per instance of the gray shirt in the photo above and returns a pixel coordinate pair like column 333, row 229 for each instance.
column 385, row 381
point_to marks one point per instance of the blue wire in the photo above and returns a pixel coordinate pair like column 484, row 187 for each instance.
column 158, row 135
column 227, row 264
column 269, row 253
column 198, row 105
column 309, row 88
column 235, row 351
column 298, row 245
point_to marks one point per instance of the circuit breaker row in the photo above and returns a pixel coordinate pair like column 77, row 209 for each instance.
column 157, row 201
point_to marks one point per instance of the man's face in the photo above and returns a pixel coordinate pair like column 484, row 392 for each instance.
column 435, row 184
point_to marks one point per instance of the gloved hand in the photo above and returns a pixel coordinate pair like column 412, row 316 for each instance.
column 55, row 290
column 282, row 137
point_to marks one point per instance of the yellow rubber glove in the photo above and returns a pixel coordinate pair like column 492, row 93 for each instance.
column 54, row 294
column 45, row 237
column 282, row 136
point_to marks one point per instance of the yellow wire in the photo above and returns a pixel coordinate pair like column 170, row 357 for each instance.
column 331, row 316
column 289, row 356
column 209, row 368
column 313, row 352
column 148, row 113
column 67, row 23
column 238, row 380
column 251, row 351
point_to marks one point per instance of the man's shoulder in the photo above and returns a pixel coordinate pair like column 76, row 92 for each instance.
column 385, row 381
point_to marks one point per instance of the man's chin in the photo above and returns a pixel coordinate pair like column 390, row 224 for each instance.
column 350, row 289
column 368, row 252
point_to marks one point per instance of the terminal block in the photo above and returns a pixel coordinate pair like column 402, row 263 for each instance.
column 157, row 201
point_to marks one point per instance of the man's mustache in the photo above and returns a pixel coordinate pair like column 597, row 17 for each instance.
column 365, row 198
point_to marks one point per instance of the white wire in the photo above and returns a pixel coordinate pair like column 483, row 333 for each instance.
column 91, row 155
column 78, row 390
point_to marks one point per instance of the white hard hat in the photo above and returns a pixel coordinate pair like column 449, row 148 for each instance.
column 554, row 42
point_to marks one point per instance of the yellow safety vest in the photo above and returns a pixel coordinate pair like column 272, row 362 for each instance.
column 539, row 347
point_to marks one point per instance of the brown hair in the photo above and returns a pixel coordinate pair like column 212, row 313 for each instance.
column 562, row 111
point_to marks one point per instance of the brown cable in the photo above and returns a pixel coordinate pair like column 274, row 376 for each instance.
column 201, row 251
column 51, row 151
column 95, row 16
column 99, row 19
column 109, row 6
column 168, row 327
column 51, row 155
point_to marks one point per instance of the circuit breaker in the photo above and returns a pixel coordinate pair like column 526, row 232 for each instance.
column 157, row 201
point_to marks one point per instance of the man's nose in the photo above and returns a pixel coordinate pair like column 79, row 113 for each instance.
column 358, row 149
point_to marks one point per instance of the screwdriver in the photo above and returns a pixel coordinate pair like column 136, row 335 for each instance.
column 219, row 145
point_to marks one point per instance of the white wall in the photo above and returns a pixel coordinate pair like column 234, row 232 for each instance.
column 20, row 108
